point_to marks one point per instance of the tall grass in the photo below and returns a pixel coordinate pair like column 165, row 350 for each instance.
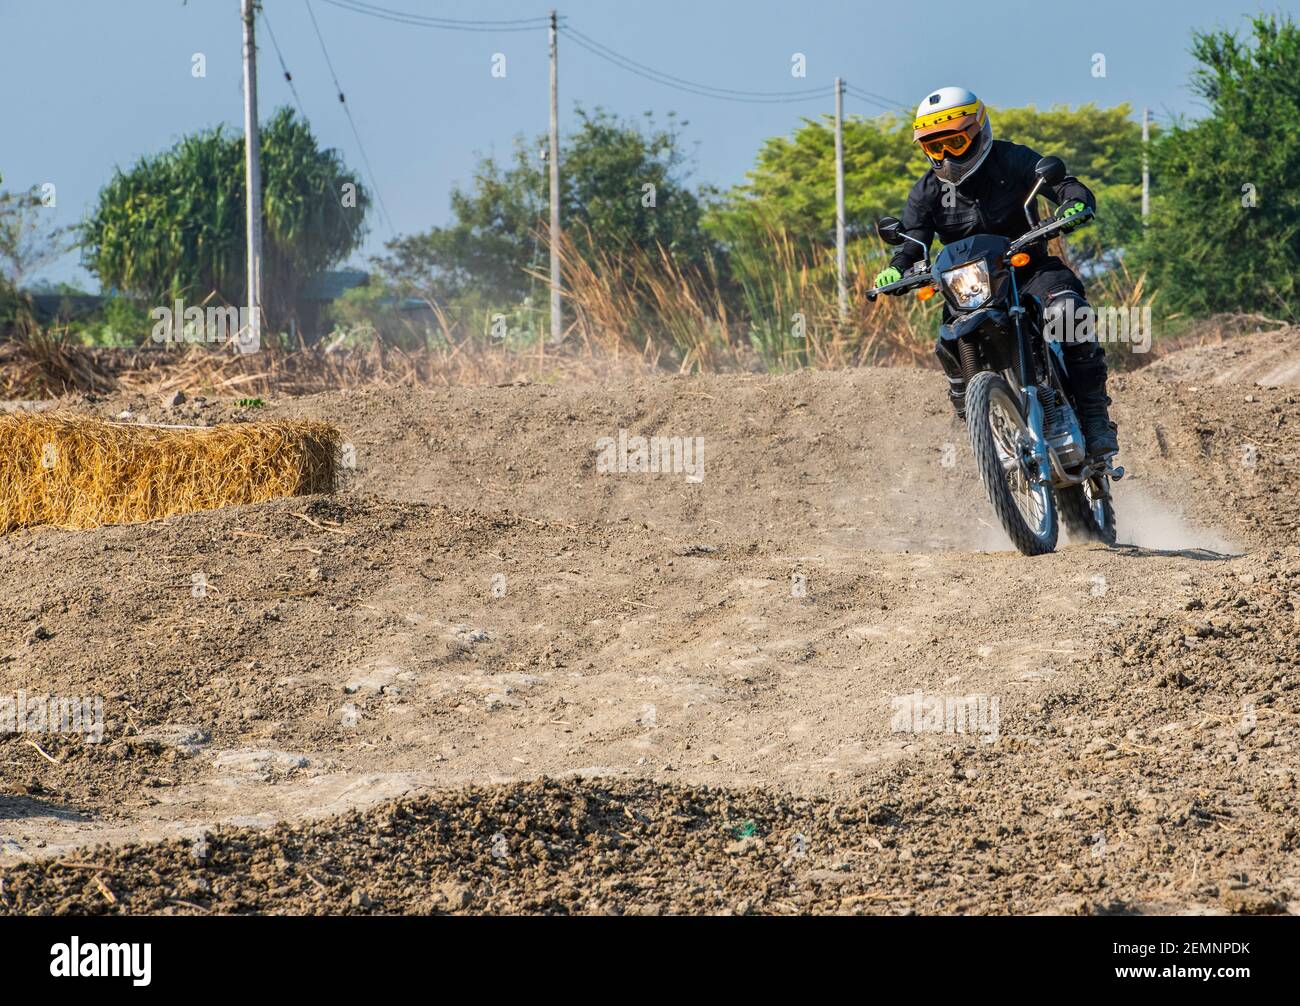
column 644, row 303
column 791, row 299
column 779, row 309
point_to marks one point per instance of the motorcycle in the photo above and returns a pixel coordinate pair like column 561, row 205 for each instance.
column 1020, row 413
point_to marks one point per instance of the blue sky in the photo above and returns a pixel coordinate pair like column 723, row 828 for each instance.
column 91, row 84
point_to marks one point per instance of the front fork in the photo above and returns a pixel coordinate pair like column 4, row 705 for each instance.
column 1033, row 408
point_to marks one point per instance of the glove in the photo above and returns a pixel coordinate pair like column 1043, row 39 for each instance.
column 887, row 276
column 1067, row 210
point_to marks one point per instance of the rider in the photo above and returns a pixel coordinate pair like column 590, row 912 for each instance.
column 978, row 185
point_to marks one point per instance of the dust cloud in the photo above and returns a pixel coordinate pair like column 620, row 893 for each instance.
column 1145, row 521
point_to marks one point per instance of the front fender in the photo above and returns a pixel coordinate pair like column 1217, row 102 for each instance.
column 968, row 323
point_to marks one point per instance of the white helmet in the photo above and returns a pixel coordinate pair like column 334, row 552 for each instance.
column 952, row 126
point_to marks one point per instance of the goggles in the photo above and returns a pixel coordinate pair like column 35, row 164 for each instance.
column 946, row 145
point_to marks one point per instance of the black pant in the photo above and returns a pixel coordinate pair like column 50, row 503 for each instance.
column 1045, row 292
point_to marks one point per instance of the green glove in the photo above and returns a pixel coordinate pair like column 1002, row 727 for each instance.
column 890, row 275
column 1065, row 212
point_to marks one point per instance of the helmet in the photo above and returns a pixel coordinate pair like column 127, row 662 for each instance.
column 952, row 127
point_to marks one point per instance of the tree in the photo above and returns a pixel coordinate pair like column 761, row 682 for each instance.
column 28, row 240
column 778, row 226
column 792, row 185
column 1102, row 147
column 791, row 188
column 173, row 225
column 622, row 185
column 628, row 187
column 1225, row 225
column 487, row 250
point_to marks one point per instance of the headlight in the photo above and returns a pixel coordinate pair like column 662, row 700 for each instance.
column 968, row 284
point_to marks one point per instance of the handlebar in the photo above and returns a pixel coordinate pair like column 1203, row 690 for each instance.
column 912, row 282
column 1050, row 230
column 1042, row 233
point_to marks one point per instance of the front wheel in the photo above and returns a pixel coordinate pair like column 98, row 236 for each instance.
column 1087, row 511
column 1001, row 443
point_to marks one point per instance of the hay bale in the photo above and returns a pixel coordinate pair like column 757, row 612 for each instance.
column 77, row 471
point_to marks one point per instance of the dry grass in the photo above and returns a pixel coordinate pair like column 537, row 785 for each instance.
column 313, row 369
column 78, row 472
column 644, row 304
column 308, row 370
column 634, row 302
column 45, row 363
column 791, row 301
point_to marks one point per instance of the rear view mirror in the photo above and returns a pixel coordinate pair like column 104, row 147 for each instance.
column 890, row 230
column 1051, row 170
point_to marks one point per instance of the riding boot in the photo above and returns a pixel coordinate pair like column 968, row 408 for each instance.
column 1086, row 364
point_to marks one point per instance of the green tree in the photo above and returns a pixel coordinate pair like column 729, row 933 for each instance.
column 1102, row 147
column 787, row 203
column 173, row 225
column 628, row 186
column 623, row 185
column 1225, row 225
column 792, row 185
column 28, row 240
column 485, row 253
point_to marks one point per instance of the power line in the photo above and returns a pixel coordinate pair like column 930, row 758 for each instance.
column 608, row 54
column 280, row 56
column 807, row 91
column 875, row 99
column 448, row 24
column 348, row 112
column 591, row 45
column 691, row 87
column 703, row 90
column 862, row 94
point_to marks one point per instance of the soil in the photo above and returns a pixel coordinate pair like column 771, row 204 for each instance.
column 487, row 676
column 1268, row 358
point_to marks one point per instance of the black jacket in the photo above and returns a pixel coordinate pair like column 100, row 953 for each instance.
column 991, row 201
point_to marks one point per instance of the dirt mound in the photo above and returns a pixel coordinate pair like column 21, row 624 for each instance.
column 869, row 459
column 488, row 603
column 1269, row 359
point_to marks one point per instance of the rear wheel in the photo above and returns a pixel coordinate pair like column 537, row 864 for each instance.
column 1087, row 511
column 1000, row 441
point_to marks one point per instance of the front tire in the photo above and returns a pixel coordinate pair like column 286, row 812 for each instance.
column 999, row 439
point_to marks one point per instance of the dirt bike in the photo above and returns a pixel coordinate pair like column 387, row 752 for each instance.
column 1020, row 412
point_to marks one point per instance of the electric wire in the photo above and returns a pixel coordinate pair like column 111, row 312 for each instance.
column 448, row 24
column 352, row 122
column 280, row 56
column 703, row 90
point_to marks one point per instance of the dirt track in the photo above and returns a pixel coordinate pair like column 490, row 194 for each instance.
column 481, row 606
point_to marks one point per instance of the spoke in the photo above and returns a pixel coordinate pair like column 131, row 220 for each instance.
column 1008, row 432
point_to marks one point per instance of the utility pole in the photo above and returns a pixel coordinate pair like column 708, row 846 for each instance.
column 1146, row 174
column 557, row 318
column 250, row 340
column 839, row 199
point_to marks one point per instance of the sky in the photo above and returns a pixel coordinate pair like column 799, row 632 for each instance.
column 90, row 85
